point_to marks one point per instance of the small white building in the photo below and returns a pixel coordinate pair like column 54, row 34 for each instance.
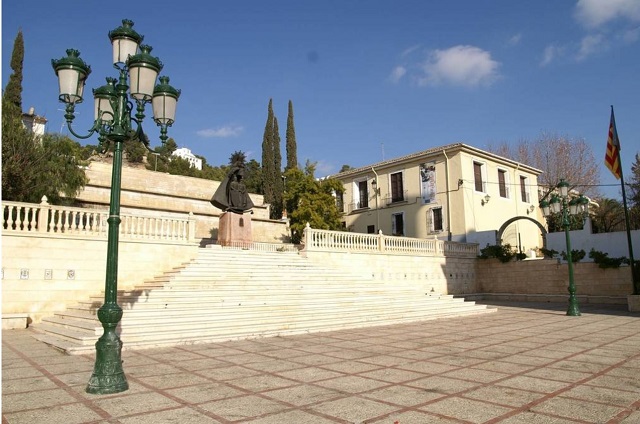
column 185, row 153
column 34, row 123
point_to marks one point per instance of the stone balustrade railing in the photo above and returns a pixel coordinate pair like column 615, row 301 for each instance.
column 325, row 240
column 49, row 219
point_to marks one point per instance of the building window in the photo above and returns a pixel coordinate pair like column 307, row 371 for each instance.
column 397, row 224
column 397, row 190
column 363, row 199
column 436, row 220
column 503, row 183
column 524, row 189
column 478, row 176
column 360, row 196
column 371, row 229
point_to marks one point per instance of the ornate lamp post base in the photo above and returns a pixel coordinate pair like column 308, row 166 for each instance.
column 108, row 375
column 574, row 310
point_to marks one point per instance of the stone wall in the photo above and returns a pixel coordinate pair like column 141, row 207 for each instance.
column 148, row 192
column 433, row 274
column 547, row 280
column 43, row 274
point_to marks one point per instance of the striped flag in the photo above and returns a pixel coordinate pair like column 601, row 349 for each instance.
column 612, row 157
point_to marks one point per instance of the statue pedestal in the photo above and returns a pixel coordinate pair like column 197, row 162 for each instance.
column 234, row 229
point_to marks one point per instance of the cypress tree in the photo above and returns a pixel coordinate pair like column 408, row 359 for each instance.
column 278, row 189
column 13, row 90
column 292, row 148
column 267, row 157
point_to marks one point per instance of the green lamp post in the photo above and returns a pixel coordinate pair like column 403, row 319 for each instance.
column 565, row 205
column 114, row 122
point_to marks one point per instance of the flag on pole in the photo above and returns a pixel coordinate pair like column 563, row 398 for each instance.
column 612, row 157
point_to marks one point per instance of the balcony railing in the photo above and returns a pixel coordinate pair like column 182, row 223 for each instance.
column 392, row 198
column 358, row 205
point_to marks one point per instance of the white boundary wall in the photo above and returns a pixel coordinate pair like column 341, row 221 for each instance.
column 615, row 244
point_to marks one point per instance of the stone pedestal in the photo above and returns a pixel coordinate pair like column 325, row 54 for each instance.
column 234, row 229
column 633, row 302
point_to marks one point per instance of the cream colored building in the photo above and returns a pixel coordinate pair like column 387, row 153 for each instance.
column 454, row 192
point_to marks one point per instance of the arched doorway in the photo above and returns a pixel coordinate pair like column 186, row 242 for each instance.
column 504, row 226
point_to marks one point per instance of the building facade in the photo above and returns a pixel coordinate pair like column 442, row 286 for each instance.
column 454, row 192
column 185, row 153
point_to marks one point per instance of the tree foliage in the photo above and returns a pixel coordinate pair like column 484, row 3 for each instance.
column 134, row 151
column 277, row 205
column 558, row 157
column 272, row 165
column 634, row 183
column 62, row 176
column 292, row 147
column 608, row 216
column 33, row 167
column 634, row 194
column 13, row 90
column 268, row 164
column 253, row 177
column 20, row 154
column 310, row 200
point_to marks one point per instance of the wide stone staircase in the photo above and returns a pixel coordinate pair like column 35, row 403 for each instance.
column 228, row 294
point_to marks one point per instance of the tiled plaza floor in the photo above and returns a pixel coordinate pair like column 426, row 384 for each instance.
column 527, row 363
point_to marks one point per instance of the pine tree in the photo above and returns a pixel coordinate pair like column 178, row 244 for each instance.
column 278, row 189
column 292, row 148
column 13, row 90
column 267, row 157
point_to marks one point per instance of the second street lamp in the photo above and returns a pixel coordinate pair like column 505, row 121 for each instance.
column 576, row 207
column 114, row 123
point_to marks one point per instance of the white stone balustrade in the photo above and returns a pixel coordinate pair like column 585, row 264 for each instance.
column 44, row 218
column 325, row 240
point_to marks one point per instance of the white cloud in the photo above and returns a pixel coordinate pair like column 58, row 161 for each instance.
column 589, row 45
column 460, row 66
column 397, row 73
column 221, row 132
column 515, row 40
column 410, row 50
column 551, row 53
column 594, row 13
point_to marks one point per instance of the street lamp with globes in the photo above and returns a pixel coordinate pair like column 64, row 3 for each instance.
column 114, row 122
column 565, row 205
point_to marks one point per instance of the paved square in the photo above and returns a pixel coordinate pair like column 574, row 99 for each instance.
column 527, row 363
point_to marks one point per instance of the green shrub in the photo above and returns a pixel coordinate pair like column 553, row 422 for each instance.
column 503, row 252
column 604, row 261
column 548, row 253
column 576, row 255
column 521, row 256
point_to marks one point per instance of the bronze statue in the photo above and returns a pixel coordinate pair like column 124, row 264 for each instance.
column 231, row 195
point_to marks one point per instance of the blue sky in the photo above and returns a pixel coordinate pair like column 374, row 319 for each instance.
column 369, row 80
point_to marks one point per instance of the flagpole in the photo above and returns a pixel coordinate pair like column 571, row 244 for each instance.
column 613, row 160
column 634, row 277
